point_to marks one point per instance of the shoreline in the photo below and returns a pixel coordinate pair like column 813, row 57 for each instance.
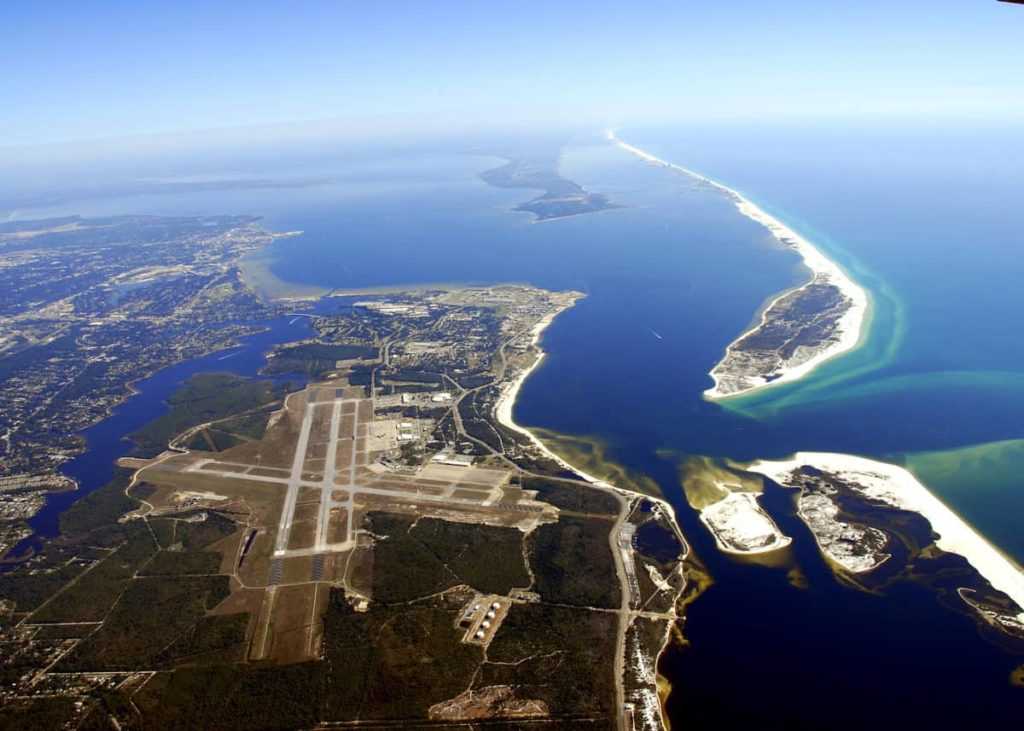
column 898, row 487
column 510, row 392
column 844, row 562
column 503, row 414
column 255, row 271
column 852, row 324
column 747, row 512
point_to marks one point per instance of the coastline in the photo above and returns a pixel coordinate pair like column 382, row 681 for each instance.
column 898, row 487
column 846, row 562
column 744, row 520
column 503, row 414
column 728, row 506
column 509, row 394
column 852, row 324
column 255, row 271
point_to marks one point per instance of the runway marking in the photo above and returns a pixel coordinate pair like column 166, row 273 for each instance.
column 294, row 482
column 330, row 467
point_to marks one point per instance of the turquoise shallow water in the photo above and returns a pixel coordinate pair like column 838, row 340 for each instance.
column 670, row 280
column 921, row 219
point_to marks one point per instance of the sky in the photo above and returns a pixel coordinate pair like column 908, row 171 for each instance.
column 90, row 69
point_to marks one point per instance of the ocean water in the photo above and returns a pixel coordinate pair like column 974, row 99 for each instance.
column 922, row 218
column 670, row 280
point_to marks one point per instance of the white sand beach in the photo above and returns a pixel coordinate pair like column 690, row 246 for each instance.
column 503, row 413
column 823, row 270
column 898, row 487
column 507, row 400
column 741, row 526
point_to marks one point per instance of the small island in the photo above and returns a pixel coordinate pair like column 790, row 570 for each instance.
column 863, row 513
column 562, row 197
column 727, row 503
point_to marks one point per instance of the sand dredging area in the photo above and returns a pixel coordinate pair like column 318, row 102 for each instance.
column 833, row 331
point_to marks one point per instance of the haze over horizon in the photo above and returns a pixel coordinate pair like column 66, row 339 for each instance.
column 161, row 74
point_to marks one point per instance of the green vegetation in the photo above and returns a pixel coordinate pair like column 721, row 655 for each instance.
column 101, row 507
column 573, row 563
column 196, row 534
column 205, row 397
column 232, row 698
column 173, row 563
column 163, row 529
column 150, row 616
column 561, row 655
column 91, row 597
column 212, row 440
column 425, row 556
column 187, row 535
column 230, row 432
column 474, row 409
column 430, row 378
column 576, row 498
column 392, row 662
column 348, row 645
column 648, row 589
column 110, row 705
column 214, row 639
column 29, row 590
column 192, row 530
column 387, row 664
column 488, row 558
column 253, row 426
column 649, row 634
column 63, row 631
column 315, row 359
column 562, row 197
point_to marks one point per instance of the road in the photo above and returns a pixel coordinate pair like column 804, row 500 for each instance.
column 625, row 607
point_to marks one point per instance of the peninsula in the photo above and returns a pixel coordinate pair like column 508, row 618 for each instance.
column 799, row 329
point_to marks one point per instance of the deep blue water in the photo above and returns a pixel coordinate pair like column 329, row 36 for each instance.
column 925, row 222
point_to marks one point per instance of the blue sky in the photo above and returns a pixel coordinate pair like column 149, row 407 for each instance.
column 89, row 69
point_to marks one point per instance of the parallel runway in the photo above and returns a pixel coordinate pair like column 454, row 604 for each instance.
column 345, row 445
